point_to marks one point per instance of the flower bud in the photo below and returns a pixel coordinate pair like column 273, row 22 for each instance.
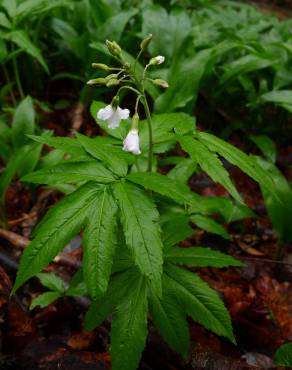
column 102, row 66
column 113, row 48
column 97, row 81
column 157, row 60
column 112, row 76
column 135, row 121
column 144, row 44
column 112, row 82
column 115, row 101
column 160, row 82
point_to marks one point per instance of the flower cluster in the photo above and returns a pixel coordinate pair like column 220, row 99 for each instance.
column 112, row 113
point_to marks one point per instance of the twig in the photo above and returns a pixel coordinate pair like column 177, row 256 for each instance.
column 17, row 240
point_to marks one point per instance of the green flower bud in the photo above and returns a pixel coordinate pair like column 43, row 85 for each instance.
column 112, row 82
column 102, row 66
column 160, row 82
column 113, row 48
column 146, row 42
column 115, row 101
column 135, row 121
column 112, row 76
column 97, row 81
column 156, row 60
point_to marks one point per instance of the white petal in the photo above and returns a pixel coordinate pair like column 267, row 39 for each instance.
column 131, row 142
column 123, row 113
column 105, row 113
column 114, row 120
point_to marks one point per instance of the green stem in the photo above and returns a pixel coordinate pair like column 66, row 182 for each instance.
column 149, row 122
column 18, row 83
column 6, row 75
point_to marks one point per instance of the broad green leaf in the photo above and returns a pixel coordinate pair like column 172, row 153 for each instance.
column 44, row 299
column 105, row 154
column 200, row 257
column 210, row 225
column 238, row 158
column 113, row 27
column 23, row 159
column 169, row 30
column 210, row 163
column 21, row 39
column 266, row 145
column 169, row 319
column 71, row 172
column 185, row 77
column 99, row 243
column 35, row 7
column 283, row 355
column 200, row 301
column 282, row 98
column 129, row 327
column 246, row 64
column 119, row 286
column 139, row 218
column 23, row 122
column 57, row 228
column 4, row 21
column 279, row 207
column 10, row 6
column 52, row 282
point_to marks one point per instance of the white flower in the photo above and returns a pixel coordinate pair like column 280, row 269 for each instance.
column 157, row 60
column 112, row 115
column 131, row 142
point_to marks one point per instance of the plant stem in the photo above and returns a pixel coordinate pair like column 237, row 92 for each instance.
column 149, row 121
column 18, row 83
column 6, row 75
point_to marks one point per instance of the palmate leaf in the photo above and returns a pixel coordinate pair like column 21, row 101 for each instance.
column 210, row 163
column 169, row 319
column 139, row 218
column 200, row 301
column 99, row 242
column 52, row 282
column 129, row 327
column 56, row 229
column 200, row 257
column 71, row 172
column 208, row 224
column 237, row 157
column 105, row 154
column 44, row 299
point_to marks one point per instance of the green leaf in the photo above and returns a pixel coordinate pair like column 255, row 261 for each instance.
column 183, row 170
column 21, row 39
column 77, row 285
column 57, row 228
column 23, row 122
column 10, row 6
column 118, row 288
column 44, row 299
column 4, row 21
column 279, row 207
column 283, row 355
column 139, row 218
column 210, row 163
column 237, row 157
column 129, row 327
column 169, row 319
column 105, row 154
column 283, row 98
column 200, row 301
column 99, row 243
column 266, row 145
column 200, row 257
column 71, row 172
column 210, row 225
column 113, row 27
column 246, row 64
column 52, row 282
column 163, row 185
column 175, row 228
column 185, row 77
column 66, row 144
